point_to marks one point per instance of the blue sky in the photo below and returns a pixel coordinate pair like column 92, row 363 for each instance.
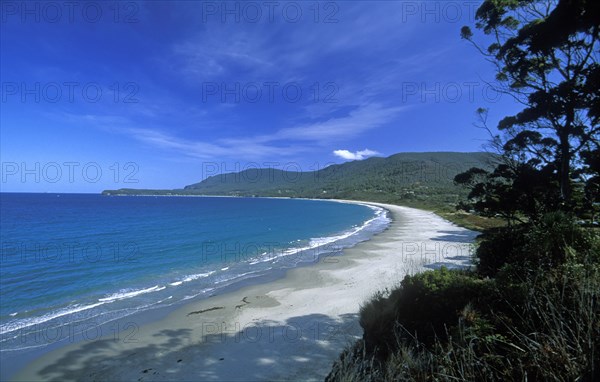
column 156, row 94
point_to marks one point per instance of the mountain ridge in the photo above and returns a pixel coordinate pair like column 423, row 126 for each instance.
column 405, row 178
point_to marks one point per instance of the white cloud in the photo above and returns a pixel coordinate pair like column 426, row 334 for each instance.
column 358, row 155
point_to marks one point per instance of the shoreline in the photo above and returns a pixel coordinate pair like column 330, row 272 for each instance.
column 290, row 328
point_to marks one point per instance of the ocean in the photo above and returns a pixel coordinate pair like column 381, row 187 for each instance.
column 72, row 261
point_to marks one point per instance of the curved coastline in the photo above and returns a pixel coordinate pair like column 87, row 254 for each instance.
column 290, row 328
column 34, row 334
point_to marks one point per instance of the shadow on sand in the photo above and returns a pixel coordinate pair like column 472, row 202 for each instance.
column 458, row 236
column 302, row 348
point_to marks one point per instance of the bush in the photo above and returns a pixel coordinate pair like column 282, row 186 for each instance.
column 498, row 247
column 556, row 338
column 551, row 242
column 554, row 238
column 420, row 310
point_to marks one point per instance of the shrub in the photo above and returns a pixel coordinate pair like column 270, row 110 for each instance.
column 552, row 241
column 498, row 247
column 557, row 338
column 421, row 309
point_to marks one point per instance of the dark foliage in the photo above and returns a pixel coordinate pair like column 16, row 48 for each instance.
column 419, row 310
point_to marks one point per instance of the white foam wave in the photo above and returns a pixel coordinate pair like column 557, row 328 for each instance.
column 20, row 324
column 198, row 276
column 318, row 242
column 191, row 278
column 123, row 294
column 235, row 277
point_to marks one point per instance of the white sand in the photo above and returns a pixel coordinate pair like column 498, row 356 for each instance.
column 289, row 329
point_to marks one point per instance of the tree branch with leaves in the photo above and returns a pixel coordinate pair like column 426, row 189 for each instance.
column 546, row 55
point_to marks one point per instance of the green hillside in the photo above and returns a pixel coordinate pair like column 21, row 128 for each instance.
column 419, row 179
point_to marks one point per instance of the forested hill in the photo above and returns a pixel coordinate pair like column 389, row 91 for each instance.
column 407, row 178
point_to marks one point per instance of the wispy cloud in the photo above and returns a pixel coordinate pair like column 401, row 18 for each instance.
column 282, row 143
column 242, row 149
column 358, row 121
column 357, row 155
column 330, row 130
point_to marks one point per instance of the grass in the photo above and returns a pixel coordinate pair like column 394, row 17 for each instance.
column 471, row 221
column 552, row 336
column 533, row 317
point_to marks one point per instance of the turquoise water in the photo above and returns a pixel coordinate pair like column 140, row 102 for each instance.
column 91, row 259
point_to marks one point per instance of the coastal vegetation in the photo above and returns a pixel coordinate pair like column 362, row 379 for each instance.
column 403, row 177
column 529, row 308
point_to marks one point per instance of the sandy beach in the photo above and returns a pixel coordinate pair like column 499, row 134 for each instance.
column 289, row 329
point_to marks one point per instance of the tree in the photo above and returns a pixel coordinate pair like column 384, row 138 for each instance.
column 546, row 55
column 591, row 174
column 511, row 191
